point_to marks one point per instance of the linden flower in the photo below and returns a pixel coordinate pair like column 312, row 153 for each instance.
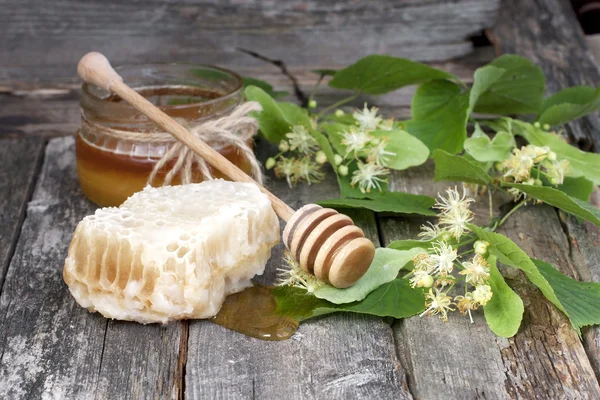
column 309, row 171
column 465, row 304
column 482, row 294
column 481, row 247
column 300, row 139
column 286, row 167
column 356, row 141
column 476, row 271
column 421, row 279
column 455, row 213
column 453, row 202
column 386, row 125
column 368, row 176
column 443, row 258
column 438, row 303
column 423, row 263
column 378, row 154
column 295, row 276
column 445, row 281
column 430, row 232
column 556, row 171
column 367, row 119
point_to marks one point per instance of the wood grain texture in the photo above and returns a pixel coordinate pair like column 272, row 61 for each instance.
column 339, row 356
column 49, row 345
column 21, row 160
column 45, row 43
column 545, row 359
column 548, row 33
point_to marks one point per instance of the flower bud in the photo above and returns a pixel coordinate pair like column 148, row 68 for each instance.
column 321, row 157
column 426, row 281
column 546, row 127
column 538, row 182
column 338, row 159
column 284, row 146
column 537, row 124
column 481, row 247
column 343, row 170
column 270, row 163
column 554, row 181
column 312, row 104
column 339, row 113
column 551, row 156
column 530, row 181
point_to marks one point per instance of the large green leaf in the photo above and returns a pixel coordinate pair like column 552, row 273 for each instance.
column 570, row 104
column 580, row 188
column 519, row 90
column 481, row 148
column 378, row 74
column 407, row 244
column 483, row 79
column 276, row 119
column 449, row 167
column 439, row 111
column 393, row 299
column 560, row 200
column 504, row 311
column 395, row 202
column 384, row 268
column 510, row 254
column 408, row 150
column 580, row 299
column 268, row 89
column 580, row 163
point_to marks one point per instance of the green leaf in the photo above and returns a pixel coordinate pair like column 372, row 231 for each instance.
column 580, row 299
column 393, row 299
column 580, row 163
column 334, row 132
column 570, row 104
column 560, row 200
column 510, row 254
column 268, row 89
column 395, row 202
column 519, row 90
column 456, row 168
column 504, row 311
column 409, row 244
column 580, row 188
column 384, row 268
column 439, row 111
column 276, row 119
column 481, row 148
column 409, row 151
column 378, row 74
column 483, row 79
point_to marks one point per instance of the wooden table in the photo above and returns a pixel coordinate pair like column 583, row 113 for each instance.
column 52, row 348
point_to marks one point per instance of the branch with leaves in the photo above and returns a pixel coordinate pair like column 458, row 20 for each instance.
column 453, row 265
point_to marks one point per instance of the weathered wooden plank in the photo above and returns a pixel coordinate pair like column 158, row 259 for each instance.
column 547, row 32
column 21, row 160
column 49, row 345
column 340, row 356
column 544, row 360
column 209, row 31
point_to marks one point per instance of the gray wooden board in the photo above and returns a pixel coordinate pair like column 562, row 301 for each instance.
column 338, row 356
column 42, row 43
column 548, row 33
column 20, row 164
column 545, row 359
column 50, row 346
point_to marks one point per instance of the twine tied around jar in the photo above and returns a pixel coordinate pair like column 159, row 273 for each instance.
column 234, row 130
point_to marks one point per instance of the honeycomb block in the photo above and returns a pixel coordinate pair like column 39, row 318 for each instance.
column 171, row 253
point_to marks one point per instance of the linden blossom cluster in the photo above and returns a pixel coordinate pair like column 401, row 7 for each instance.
column 532, row 160
column 434, row 269
column 300, row 158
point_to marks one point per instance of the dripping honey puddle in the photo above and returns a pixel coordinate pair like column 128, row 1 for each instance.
column 253, row 313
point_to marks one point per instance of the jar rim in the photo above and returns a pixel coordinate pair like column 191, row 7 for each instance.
column 232, row 93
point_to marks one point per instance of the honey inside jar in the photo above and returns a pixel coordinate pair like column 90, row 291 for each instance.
column 112, row 169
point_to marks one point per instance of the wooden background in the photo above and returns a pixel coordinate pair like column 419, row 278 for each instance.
column 52, row 348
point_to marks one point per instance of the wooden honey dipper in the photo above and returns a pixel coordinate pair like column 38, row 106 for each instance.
column 324, row 242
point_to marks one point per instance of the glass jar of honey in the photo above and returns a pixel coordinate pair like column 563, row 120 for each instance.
column 110, row 168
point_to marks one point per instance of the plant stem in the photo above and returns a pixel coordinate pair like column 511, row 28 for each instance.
column 336, row 105
column 314, row 90
column 508, row 214
column 489, row 189
column 466, row 252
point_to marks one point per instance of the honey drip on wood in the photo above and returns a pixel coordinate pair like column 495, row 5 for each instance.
column 253, row 313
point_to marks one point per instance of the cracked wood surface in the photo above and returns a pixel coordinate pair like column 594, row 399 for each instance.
column 45, row 43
